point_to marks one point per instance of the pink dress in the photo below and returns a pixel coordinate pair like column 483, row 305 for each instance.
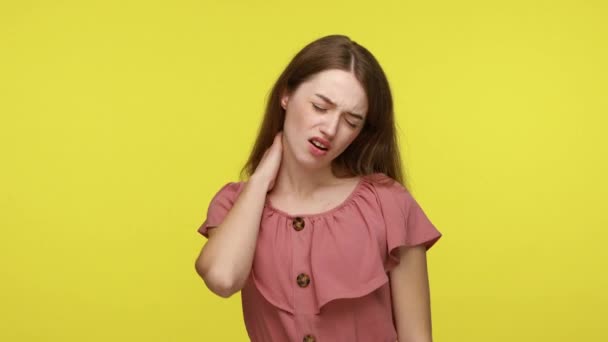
column 324, row 277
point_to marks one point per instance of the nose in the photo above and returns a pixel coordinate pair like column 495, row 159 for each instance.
column 330, row 126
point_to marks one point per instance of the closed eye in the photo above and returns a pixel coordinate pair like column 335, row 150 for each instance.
column 319, row 109
column 323, row 110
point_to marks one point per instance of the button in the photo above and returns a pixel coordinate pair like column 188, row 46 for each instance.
column 303, row 279
column 309, row 338
column 298, row 223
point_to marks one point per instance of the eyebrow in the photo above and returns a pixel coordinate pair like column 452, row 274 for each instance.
column 328, row 100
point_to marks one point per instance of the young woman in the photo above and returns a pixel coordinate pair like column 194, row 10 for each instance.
column 323, row 240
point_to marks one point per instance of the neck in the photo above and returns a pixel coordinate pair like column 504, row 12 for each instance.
column 298, row 181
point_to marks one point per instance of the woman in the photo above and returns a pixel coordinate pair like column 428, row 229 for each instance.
column 324, row 241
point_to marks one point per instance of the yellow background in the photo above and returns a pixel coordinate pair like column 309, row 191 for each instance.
column 121, row 119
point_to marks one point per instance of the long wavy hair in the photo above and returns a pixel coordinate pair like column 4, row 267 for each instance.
column 376, row 148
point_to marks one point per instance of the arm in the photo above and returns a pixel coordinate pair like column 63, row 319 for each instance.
column 225, row 260
column 411, row 297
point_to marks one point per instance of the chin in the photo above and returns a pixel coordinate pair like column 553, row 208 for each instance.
column 314, row 162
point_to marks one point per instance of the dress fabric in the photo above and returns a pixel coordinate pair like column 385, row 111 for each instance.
column 325, row 276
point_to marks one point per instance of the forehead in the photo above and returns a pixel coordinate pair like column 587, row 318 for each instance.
column 340, row 86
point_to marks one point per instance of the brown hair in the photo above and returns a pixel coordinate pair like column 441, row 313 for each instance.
column 376, row 149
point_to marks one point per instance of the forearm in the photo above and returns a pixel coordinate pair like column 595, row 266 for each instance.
column 225, row 260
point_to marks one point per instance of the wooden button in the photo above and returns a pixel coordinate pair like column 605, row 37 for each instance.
column 303, row 280
column 298, row 223
column 309, row 338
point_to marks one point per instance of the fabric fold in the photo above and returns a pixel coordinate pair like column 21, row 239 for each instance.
column 345, row 257
column 272, row 264
column 406, row 224
column 219, row 206
column 348, row 251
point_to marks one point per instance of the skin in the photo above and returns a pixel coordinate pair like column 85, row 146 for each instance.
column 302, row 176
column 411, row 297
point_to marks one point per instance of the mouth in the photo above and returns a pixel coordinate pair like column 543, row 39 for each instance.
column 316, row 145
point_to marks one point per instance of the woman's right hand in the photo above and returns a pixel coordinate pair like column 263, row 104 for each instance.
column 268, row 168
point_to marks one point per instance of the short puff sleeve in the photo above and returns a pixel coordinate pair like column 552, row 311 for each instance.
column 220, row 205
column 406, row 223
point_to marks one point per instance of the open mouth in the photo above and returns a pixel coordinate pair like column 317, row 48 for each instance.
column 315, row 144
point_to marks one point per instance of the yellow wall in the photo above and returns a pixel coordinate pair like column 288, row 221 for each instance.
column 119, row 121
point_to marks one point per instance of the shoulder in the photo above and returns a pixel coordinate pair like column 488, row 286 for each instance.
column 386, row 186
column 229, row 191
column 392, row 197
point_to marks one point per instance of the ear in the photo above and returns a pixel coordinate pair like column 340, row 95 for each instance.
column 284, row 100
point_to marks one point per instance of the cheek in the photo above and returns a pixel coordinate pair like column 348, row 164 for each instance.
column 297, row 125
column 291, row 121
column 298, row 115
column 345, row 142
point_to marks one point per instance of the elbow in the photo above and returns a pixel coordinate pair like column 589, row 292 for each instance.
column 223, row 289
column 218, row 283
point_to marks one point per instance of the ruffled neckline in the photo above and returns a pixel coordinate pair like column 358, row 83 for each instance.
column 347, row 251
column 358, row 188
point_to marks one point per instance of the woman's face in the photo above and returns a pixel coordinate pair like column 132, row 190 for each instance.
column 330, row 106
